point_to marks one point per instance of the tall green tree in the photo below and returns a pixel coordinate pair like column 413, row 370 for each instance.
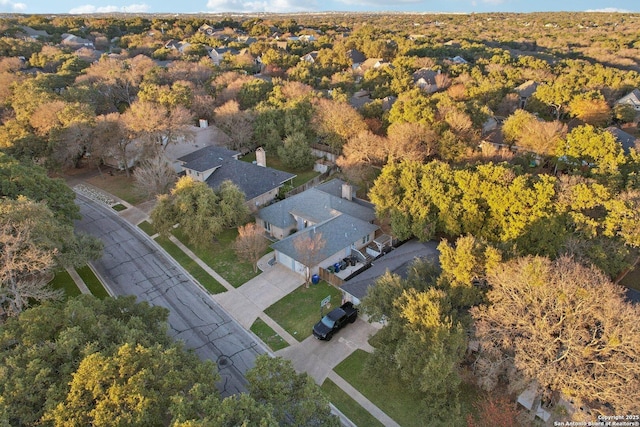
column 295, row 398
column 201, row 212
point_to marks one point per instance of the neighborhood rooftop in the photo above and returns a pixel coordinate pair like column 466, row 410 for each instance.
column 338, row 232
column 252, row 179
column 314, row 205
column 397, row 262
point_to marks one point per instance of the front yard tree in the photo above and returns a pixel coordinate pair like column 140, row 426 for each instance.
column 25, row 262
column 154, row 176
column 564, row 325
column 295, row 398
column 422, row 343
column 201, row 212
column 250, row 244
column 308, row 246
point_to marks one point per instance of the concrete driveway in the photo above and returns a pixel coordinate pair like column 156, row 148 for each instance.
column 318, row 358
column 248, row 301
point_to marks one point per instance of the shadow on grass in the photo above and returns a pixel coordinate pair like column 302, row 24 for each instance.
column 348, row 406
column 62, row 280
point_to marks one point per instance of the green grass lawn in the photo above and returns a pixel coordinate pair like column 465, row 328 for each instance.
column 300, row 310
column 62, row 280
column 119, row 207
column 268, row 335
column 147, row 227
column 222, row 258
column 396, row 401
column 348, row 406
column 302, row 176
column 120, row 186
column 92, row 282
column 205, row 279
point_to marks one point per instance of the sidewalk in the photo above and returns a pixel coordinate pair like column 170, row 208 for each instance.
column 248, row 302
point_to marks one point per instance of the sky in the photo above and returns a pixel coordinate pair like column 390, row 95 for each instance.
column 291, row 6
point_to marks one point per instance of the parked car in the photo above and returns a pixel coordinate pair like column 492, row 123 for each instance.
column 335, row 320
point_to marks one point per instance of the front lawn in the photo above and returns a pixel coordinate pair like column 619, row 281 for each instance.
column 93, row 283
column 119, row 185
column 268, row 335
column 302, row 176
column 348, row 406
column 300, row 310
column 198, row 273
column 147, row 227
column 222, row 258
column 62, row 280
column 396, row 401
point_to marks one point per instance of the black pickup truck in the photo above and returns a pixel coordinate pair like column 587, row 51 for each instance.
column 335, row 320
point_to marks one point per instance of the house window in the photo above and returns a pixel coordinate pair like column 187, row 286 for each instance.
column 365, row 239
column 267, row 226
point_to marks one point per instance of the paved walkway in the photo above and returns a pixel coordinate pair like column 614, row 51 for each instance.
column 248, row 302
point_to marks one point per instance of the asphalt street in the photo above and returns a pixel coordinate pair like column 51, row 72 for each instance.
column 132, row 264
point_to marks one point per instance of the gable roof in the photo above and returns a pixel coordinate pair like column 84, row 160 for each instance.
column 356, row 56
column 425, row 74
column 338, row 233
column 625, row 139
column 526, row 89
column 207, row 158
column 252, row 179
column 314, row 205
column 632, row 98
column 397, row 262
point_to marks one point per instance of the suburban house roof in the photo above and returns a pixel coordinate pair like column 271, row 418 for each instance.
column 207, row 158
column 625, row 139
column 356, row 56
column 338, row 233
column 397, row 262
column 316, row 206
column 252, row 179
column 526, row 89
column 632, row 98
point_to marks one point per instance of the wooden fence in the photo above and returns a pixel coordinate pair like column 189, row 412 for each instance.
column 329, row 277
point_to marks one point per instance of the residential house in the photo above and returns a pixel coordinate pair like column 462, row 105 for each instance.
column 75, row 42
column 214, row 165
column 217, row 54
column 307, row 38
column 397, row 261
column 625, row 139
column 632, row 98
column 425, row 79
column 180, row 46
column 356, row 57
column 525, row 91
column 345, row 223
column 458, row 60
column 35, row 34
column 310, row 57
column 369, row 64
column 207, row 29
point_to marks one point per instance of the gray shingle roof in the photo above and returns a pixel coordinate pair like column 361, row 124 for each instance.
column 207, row 158
column 314, row 205
column 338, row 232
column 625, row 139
column 397, row 261
column 252, row 179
